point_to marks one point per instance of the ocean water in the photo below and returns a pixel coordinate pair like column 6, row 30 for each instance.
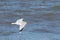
column 42, row 17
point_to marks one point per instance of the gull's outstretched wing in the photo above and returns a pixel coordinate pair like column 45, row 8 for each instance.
column 18, row 22
column 22, row 25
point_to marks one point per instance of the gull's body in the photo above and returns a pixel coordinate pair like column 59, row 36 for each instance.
column 21, row 23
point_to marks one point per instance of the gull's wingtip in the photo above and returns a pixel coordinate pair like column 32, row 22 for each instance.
column 21, row 29
column 12, row 23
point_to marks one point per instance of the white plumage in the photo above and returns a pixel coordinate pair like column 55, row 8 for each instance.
column 21, row 23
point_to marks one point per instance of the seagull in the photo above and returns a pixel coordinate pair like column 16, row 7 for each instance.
column 21, row 24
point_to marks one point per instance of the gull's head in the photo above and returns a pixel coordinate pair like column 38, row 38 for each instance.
column 21, row 23
column 21, row 19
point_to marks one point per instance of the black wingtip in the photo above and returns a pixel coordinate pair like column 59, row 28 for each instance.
column 21, row 29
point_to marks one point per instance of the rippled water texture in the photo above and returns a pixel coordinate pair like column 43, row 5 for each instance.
column 42, row 16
